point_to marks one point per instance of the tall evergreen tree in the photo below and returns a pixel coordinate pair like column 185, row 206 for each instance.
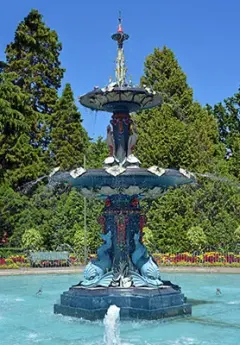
column 180, row 132
column 228, row 118
column 163, row 73
column 69, row 138
column 19, row 160
column 97, row 152
column 34, row 57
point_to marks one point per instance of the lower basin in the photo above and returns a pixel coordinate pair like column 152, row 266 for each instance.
column 29, row 319
column 133, row 181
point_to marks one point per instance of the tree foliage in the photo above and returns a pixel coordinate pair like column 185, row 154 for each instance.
column 39, row 130
column 237, row 235
column 196, row 237
column 180, row 133
column 96, row 154
column 32, row 240
column 69, row 138
column 148, row 239
column 19, row 160
column 33, row 57
column 228, row 118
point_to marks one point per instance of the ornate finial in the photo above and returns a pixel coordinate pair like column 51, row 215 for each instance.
column 120, row 36
column 121, row 69
column 120, row 22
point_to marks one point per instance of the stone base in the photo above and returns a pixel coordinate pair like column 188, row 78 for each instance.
column 134, row 303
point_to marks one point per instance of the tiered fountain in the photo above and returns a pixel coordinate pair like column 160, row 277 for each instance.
column 124, row 273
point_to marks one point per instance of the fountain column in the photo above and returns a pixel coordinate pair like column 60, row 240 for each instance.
column 121, row 127
column 122, row 216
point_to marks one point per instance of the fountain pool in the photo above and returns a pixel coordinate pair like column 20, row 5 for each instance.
column 28, row 319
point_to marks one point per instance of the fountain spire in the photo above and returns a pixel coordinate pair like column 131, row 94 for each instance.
column 121, row 69
column 120, row 96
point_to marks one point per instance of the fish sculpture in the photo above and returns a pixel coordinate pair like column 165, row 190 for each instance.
column 148, row 272
column 96, row 272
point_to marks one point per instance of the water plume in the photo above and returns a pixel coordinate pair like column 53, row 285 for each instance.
column 111, row 323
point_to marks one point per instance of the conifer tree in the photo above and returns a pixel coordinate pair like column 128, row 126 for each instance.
column 163, row 73
column 69, row 138
column 228, row 118
column 34, row 57
column 179, row 133
column 19, row 160
column 97, row 152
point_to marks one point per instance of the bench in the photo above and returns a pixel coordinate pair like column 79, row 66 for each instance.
column 49, row 259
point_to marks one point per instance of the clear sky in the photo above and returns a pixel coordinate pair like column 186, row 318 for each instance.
column 204, row 35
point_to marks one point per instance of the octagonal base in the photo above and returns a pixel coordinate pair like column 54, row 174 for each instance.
column 134, row 303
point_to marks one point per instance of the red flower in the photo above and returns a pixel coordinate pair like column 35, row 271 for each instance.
column 2, row 261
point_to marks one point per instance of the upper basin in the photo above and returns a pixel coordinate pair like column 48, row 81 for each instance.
column 120, row 99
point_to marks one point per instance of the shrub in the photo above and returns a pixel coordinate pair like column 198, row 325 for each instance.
column 32, row 240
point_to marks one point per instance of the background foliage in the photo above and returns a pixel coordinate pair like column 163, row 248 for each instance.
column 40, row 129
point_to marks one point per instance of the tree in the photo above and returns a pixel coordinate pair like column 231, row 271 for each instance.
column 228, row 118
column 169, row 217
column 11, row 205
column 237, row 235
column 213, row 204
column 32, row 240
column 180, row 133
column 69, row 138
column 196, row 237
column 34, row 58
column 78, row 240
column 97, row 153
column 19, row 160
column 148, row 239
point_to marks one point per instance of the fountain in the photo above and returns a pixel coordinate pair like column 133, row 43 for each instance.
column 124, row 273
column 111, row 334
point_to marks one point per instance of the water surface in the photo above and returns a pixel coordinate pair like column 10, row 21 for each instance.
column 28, row 319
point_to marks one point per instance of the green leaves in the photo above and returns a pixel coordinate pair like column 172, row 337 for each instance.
column 33, row 56
column 20, row 161
column 196, row 237
column 69, row 138
column 180, row 133
column 39, row 130
column 32, row 240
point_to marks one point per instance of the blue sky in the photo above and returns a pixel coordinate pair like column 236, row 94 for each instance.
column 204, row 35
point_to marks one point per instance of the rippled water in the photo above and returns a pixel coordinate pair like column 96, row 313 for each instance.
column 28, row 319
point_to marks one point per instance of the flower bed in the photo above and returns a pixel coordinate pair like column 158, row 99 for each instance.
column 167, row 259
column 189, row 259
column 14, row 261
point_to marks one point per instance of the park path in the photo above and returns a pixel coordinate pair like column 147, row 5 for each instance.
column 79, row 269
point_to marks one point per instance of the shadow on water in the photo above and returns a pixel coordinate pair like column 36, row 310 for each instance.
column 195, row 302
column 213, row 323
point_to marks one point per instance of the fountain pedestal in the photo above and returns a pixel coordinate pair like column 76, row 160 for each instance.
column 134, row 303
